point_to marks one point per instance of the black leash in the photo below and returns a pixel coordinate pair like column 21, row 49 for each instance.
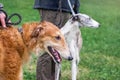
column 7, row 19
column 60, row 6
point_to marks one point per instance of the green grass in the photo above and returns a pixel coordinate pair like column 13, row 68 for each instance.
column 100, row 54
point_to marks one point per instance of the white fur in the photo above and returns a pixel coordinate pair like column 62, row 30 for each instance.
column 73, row 37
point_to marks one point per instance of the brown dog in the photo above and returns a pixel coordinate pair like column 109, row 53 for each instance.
column 15, row 47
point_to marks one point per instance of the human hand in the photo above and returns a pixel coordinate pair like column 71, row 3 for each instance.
column 2, row 19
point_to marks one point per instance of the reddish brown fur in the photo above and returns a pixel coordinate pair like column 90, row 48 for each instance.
column 48, row 33
column 12, row 50
column 15, row 48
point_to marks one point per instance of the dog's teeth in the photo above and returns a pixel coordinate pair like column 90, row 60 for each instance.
column 59, row 60
column 55, row 54
column 53, row 50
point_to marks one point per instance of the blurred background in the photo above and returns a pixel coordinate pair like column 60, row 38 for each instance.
column 100, row 54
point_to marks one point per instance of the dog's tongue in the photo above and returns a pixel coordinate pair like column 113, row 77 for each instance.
column 57, row 56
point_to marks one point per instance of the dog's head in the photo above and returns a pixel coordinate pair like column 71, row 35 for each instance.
column 46, row 37
column 85, row 20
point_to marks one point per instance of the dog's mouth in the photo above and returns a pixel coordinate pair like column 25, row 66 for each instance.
column 55, row 54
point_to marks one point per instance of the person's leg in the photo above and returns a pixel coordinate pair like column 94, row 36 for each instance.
column 44, row 67
column 45, row 64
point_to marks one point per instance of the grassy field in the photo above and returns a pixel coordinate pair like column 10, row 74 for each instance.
column 100, row 55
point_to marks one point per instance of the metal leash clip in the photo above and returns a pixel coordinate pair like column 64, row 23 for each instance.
column 7, row 19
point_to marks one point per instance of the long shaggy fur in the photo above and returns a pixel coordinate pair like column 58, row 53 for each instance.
column 15, row 47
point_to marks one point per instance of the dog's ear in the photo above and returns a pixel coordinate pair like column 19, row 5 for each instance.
column 37, row 31
column 76, row 18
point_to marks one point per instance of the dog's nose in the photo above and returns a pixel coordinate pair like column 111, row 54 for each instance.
column 99, row 25
column 70, row 58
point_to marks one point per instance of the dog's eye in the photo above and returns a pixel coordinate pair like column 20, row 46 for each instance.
column 87, row 19
column 57, row 37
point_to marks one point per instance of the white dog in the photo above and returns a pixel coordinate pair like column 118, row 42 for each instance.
column 73, row 37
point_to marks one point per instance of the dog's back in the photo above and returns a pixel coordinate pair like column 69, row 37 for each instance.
column 11, row 39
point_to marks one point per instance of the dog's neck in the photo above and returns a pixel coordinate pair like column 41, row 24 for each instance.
column 25, row 32
column 70, row 24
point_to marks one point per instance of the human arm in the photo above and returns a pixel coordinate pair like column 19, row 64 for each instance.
column 2, row 17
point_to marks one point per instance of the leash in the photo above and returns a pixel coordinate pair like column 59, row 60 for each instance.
column 69, row 3
column 73, row 13
column 60, row 6
column 59, row 12
column 8, row 18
